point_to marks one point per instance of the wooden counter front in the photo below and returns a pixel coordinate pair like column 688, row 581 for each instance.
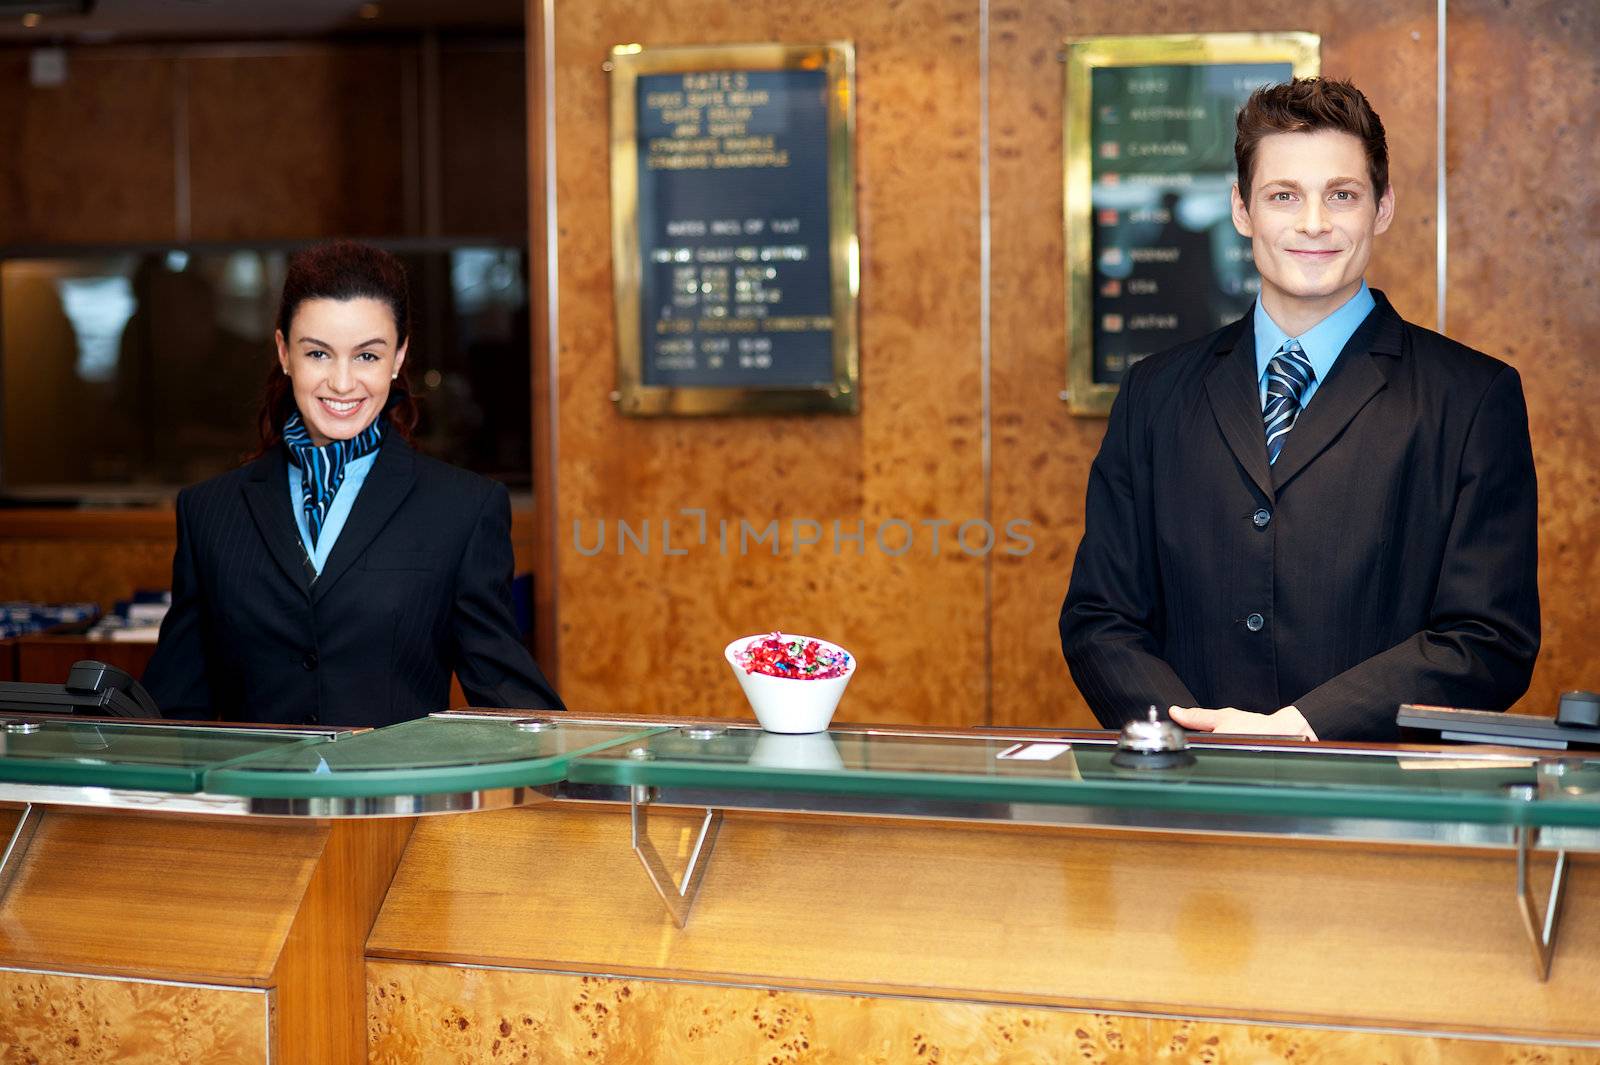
column 538, row 929
column 533, row 935
column 157, row 939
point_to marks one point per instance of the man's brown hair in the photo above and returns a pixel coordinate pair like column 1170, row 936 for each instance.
column 1308, row 105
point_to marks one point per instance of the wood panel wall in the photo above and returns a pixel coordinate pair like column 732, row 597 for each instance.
column 252, row 142
column 76, row 1020
column 1524, row 279
column 311, row 141
column 55, row 557
column 88, row 161
column 645, row 632
column 962, row 640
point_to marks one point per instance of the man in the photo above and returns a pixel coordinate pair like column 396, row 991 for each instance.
column 1320, row 511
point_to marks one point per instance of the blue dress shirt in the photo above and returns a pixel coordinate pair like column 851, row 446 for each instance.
column 355, row 474
column 1321, row 343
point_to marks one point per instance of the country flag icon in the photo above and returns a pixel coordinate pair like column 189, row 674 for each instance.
column 1111, row 289
column 1111, row 323
column 1109, row 115
column 1111, row 257
column 1106, row 216
column 1110, row 150
column 1110, row 179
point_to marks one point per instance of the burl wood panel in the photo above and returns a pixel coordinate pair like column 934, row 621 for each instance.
column 468, row 1015
column 645, row 633
column 1172, row 1042
column 1524, row 272
column 296, row 145
column 60, row 1019
column 159, row 897
column 1274, row 931
column 92, row 160
column 1041, row 453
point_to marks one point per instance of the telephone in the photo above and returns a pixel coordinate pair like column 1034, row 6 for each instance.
column 92, row 688
column 119, row 694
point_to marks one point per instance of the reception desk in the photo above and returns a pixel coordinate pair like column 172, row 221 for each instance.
column 498, row 887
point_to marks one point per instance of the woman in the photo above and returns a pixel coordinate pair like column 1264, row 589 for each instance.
column 340, row 577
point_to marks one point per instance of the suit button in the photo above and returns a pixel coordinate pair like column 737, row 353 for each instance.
column 309, row 662
column 1255, row 622
column 1261, row 517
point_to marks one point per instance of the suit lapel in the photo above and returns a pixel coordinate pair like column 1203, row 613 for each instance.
column 1233, row 388
column 266, row 493
column 386, row 486
column 1357, row 375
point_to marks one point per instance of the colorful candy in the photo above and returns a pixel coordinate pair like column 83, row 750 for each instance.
column 778, row 655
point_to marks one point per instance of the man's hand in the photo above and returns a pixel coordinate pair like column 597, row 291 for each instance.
column 1286, row 722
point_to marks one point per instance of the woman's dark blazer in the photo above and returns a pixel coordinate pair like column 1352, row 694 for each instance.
column 417, row 586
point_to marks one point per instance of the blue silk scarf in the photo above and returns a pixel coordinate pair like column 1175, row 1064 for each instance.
column 322, row 468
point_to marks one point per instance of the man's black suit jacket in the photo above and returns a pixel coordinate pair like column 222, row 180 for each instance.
column 417, row 586
column 1388, row 556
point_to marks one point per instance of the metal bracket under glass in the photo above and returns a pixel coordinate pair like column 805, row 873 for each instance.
column 1541, row 933
column 678, row 898
column 17, row 847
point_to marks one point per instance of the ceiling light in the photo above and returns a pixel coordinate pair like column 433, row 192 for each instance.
column 31, row 19
column 369, row 11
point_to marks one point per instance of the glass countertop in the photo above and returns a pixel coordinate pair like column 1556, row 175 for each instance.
column 457, row 754
column 1449, row 786
column 423, row 757
column 154, row 757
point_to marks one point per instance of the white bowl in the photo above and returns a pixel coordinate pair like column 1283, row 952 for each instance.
column 789, row 704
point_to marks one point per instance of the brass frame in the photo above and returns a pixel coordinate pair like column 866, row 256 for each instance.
column 627, row 63
column 1301, row 50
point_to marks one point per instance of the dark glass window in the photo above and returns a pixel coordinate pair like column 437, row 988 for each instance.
column 132, row 372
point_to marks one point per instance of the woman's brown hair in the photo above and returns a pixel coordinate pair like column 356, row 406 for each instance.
column 340, row 270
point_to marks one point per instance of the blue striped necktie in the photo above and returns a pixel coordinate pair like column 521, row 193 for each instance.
column 322, row 468
column 1288, row 375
